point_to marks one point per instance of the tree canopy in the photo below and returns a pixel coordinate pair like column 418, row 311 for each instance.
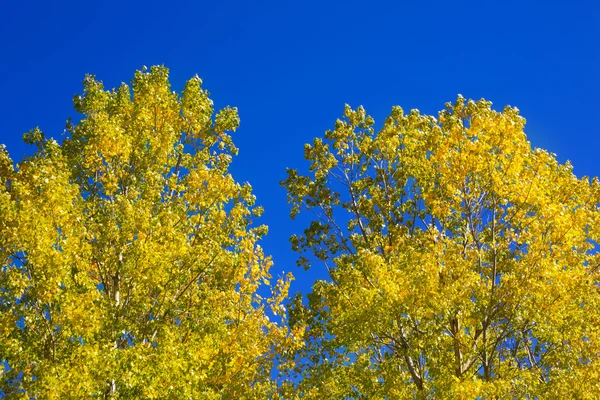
column 463, row 262
column 130, row 261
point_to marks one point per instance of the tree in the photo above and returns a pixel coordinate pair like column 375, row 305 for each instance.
column 130, row 262
column 463, row 262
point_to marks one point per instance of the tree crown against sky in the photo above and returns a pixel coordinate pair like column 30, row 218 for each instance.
column 130, row 257
column 461, row 261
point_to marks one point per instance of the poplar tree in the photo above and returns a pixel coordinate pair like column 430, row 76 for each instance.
column 130, row 263
column 463, row 262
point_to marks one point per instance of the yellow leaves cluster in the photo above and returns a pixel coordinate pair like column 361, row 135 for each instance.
column 466, row 261
column 130, row 266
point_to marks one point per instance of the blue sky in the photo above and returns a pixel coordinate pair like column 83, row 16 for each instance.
column 290, row 66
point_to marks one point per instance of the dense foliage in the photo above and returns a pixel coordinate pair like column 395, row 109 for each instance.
column 463, row 262
column 130, row 266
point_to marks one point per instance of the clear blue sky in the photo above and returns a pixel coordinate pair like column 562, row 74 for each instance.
column 290, row 66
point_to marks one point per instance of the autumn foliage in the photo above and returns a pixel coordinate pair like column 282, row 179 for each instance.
column 463, row 263
column 130, row 265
